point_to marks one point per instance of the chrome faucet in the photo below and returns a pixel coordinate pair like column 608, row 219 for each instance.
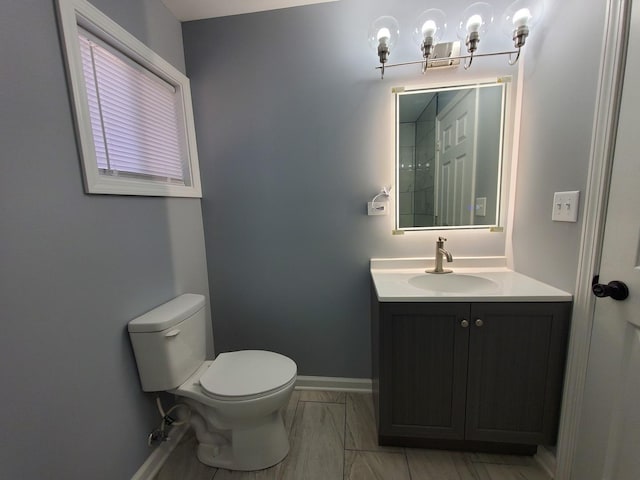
column 441, row 252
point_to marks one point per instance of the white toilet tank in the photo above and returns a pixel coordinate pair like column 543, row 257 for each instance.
column 169, row 342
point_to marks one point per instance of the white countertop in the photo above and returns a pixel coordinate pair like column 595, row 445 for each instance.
column 392, row 284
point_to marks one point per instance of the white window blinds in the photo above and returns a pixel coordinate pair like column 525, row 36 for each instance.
column 135, row 116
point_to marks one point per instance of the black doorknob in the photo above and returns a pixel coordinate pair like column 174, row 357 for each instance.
column 614, row 289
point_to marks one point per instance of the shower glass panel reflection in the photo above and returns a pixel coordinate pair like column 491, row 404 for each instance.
column 417, row 160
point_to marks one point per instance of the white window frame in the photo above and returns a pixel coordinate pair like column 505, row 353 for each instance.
column 79, row 13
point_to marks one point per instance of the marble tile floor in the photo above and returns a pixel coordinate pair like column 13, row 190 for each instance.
column 333, row 437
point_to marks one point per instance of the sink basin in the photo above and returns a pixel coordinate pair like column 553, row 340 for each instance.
column 453, row 283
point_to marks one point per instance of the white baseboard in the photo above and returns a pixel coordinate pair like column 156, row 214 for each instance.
column 336, row 384
column 154, row 462
column 546, row 460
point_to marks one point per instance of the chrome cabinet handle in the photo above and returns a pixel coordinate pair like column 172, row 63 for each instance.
column 464, row 323
column 479, row 322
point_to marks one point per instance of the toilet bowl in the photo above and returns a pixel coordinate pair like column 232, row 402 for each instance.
column 243, row 428
column 236, row 400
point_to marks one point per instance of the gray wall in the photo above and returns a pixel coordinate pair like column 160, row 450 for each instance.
column 76, row 268
column 557, row 123
column 295, row 131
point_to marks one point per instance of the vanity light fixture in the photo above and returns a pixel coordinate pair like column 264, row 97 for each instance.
column 518, row 20
column 476, row 20
column 430, row 27
column 383, row 35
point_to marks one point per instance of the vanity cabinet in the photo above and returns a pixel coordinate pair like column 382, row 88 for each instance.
column 475, row 376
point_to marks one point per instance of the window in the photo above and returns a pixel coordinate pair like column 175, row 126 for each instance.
column 132, row 109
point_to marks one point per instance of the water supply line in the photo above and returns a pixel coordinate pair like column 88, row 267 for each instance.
column 160, row 434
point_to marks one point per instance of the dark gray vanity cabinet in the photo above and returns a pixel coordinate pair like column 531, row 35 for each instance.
column 476, row 376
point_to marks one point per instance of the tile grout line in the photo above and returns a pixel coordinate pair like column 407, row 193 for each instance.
column 295, row 415
column 406, row 461
column 278, row 469
column 344, row 439
column 320, row 401
column 468, row 460
column 367, row 450
column 215, row 474
column 278, row 473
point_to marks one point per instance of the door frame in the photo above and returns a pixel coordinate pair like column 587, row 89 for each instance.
column 605, row 126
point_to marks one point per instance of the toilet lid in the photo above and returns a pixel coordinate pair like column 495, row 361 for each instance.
column 247, row 373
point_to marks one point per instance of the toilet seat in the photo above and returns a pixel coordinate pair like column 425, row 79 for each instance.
column 247, row 374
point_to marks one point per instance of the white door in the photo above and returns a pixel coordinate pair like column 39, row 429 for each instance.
column 609, row 436
column 456, row 129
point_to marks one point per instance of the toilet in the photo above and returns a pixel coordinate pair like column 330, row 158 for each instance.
column 236, row 400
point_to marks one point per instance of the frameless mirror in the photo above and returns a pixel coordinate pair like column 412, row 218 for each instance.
column 449, row 147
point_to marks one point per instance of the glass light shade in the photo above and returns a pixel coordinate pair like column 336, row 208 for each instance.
column 520, row 13
column 384, row 29
column 477, row 17
column 430, row 23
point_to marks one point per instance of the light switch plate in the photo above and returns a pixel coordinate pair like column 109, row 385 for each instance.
column 481, row 206
column 565, row 206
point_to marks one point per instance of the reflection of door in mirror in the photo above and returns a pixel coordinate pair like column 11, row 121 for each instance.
column 456, row 159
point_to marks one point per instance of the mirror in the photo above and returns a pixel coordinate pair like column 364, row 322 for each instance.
column 449, row 147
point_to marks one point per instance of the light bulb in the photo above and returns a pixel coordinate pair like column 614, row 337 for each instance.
column 429, row 28
column 383, row 30
column 521, row 14
column 474, row 23
column 476, row 19
column 430, row 24
column 521, row 18
column 383, row 33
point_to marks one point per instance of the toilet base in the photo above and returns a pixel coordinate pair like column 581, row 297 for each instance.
column 250, row 448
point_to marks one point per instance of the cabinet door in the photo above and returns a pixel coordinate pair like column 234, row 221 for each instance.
column 516, row 364
column 423, row 370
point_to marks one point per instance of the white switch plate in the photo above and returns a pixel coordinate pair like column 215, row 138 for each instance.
column 565, row 206
column 378, row 208
column 481, row 207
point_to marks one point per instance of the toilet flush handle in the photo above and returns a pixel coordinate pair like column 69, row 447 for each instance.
column 172, row 333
